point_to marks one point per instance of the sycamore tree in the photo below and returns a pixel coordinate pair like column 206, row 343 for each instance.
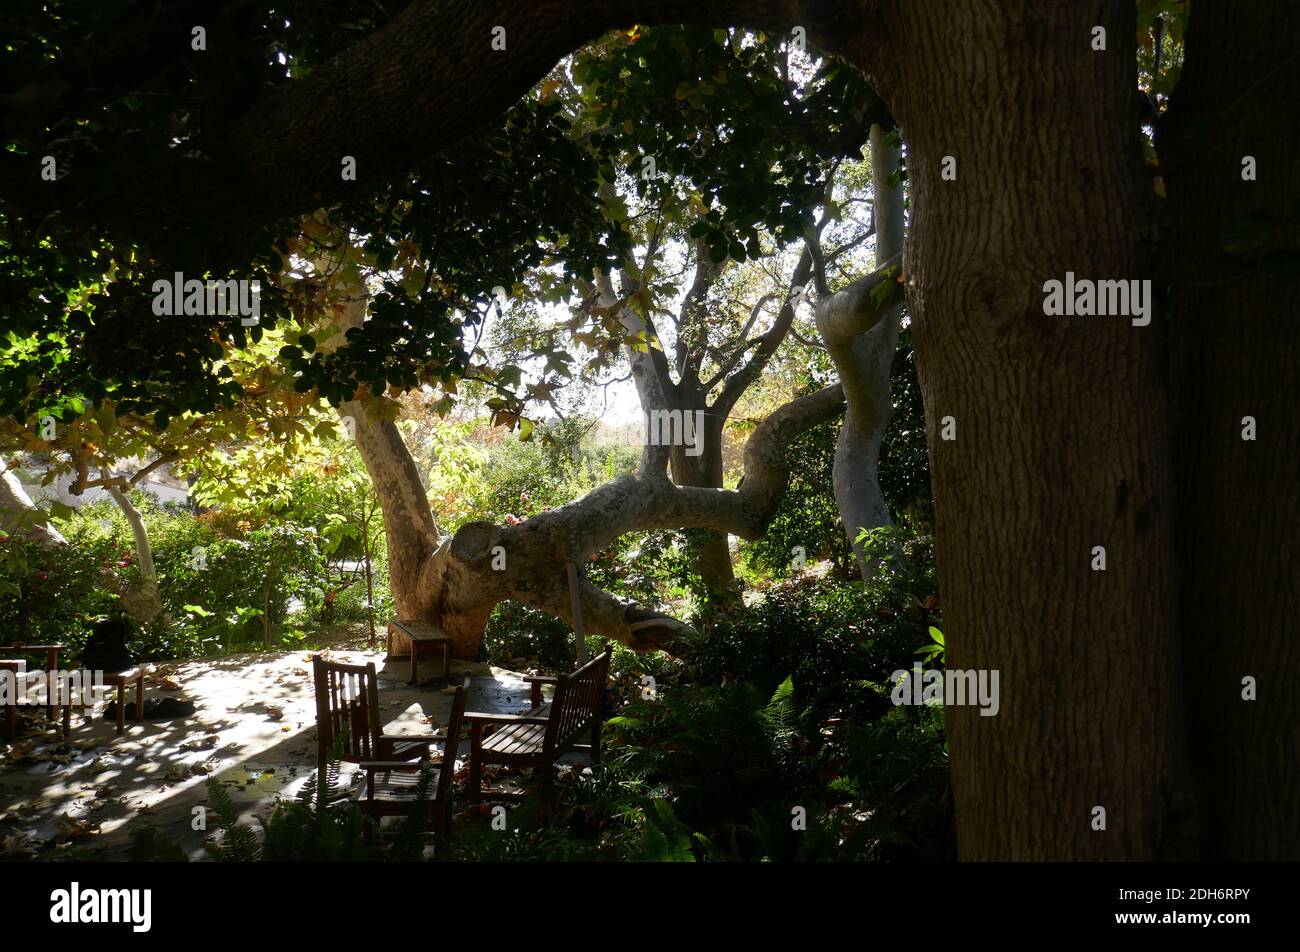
column 747, row 141
column 1159, row 688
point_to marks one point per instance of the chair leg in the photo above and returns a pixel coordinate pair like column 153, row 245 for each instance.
column 11, row 722
column 121, row 706
column 139, row 698
column 475, row 763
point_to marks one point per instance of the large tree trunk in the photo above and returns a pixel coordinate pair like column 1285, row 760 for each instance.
column 691, row 395
column 863, row 361
column 1235, row 355
column 656, row 390
column 713, row 553
column 1061, row 426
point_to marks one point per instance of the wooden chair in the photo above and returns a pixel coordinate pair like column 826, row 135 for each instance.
column 347, row 695
column 392, row 786
column 545, row 733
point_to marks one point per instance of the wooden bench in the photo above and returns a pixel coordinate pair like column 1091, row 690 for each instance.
column 22, row 681
column 51, row 652
column 416, row 634
column 121, row 680
column 546, row 732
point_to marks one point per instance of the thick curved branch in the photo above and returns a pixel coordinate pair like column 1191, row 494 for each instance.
column 636, row 503
column 536, row 550
column 606, row 614
column 857, row 308
column 427, row 79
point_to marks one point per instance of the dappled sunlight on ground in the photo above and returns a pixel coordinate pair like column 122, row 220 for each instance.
column 253, row 730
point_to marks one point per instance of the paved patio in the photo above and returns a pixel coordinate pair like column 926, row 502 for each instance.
column 253, row 730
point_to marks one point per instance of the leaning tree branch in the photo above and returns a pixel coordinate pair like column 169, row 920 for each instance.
column 537, row 549
column 429, row 78
column 859, row 307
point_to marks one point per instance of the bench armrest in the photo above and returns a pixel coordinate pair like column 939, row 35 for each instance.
column 541, row 678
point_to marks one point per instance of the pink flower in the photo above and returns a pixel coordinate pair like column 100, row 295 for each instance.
column 512, row 519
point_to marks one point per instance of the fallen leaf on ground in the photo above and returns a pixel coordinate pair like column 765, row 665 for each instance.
column 73, row 828
column 16, row 846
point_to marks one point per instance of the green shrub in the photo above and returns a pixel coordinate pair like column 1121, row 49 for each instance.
column 214, row 588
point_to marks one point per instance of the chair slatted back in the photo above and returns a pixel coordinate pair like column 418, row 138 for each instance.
column 347, row 705
column 449, row 750
column 577, row 701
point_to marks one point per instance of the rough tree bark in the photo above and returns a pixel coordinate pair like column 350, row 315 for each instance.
column 1235, row 355
column 430, row 77
column 1061, row 425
